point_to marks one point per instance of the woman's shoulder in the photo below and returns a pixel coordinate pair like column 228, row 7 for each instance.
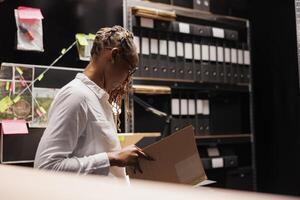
column 71, row 93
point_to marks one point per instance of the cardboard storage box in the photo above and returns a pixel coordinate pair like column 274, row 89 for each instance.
column 176, row 160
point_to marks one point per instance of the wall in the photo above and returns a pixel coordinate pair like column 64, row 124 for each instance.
column 276, row 98
column 62, row 20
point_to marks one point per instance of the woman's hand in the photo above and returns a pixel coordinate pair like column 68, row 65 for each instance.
column 128, row 156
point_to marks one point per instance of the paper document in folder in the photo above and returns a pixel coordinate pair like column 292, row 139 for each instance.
column 176, row 160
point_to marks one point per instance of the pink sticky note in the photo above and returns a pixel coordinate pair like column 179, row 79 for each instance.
column 29, row 13
column 23, row 82
column 40, row 114
column 11, row 87
column 10, row 127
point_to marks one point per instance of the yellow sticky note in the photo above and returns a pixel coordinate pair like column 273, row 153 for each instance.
column 7, row 86
column 81, row 38
column 121, row 138
column 91, row 36
column 19, row 70
column 16, row 99
column 5, row 103
column 42, row 110
column 40, row 77
column 63, row 51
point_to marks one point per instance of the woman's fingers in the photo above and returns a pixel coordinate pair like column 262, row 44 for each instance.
column 133, row 159
column 143, row 154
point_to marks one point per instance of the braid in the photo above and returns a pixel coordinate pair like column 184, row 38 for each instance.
column 115, row 36
column 110, row 37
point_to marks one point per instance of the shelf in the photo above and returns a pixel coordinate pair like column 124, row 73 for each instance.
column 163, row 79
column 224, row 136
column 151, row 89
column 223, row 139
column 190, row 85
column 192, row 13
column 17, row 162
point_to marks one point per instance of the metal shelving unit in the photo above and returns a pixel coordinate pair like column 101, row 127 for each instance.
column 170, row 84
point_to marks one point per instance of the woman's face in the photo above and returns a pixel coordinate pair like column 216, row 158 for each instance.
column 120, row 69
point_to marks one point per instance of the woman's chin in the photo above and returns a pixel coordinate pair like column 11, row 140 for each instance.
column 115, row 86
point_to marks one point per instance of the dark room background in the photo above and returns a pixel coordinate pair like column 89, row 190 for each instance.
column 274, row 59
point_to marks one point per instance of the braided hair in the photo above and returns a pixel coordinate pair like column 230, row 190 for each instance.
column 121, row 38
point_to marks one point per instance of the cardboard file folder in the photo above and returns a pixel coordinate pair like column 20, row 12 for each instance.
column 176, row 160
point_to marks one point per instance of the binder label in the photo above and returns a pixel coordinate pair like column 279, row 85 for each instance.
column 154, row 46
column 172, row 49
column 218, row 32
column 184, row 28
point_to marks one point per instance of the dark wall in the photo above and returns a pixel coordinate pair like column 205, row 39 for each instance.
column 275, row 73
column 276, row 91
column 62, row 20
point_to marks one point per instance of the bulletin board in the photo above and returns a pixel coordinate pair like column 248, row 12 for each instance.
column 30, row 90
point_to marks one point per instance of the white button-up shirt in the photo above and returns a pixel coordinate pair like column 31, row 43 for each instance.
column 81, row 129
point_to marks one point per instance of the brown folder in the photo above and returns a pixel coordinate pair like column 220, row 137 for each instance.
column 176, row 160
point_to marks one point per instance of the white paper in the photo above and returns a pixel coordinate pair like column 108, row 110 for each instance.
column 184, row 28
column 218, row 32
column 205, row 54
column 188, row 51
column 199, row 106
column 204, row 183
column 233, row 56
column 191, row 107
column 183, row 109
column 136, row 41
column 163, row 47
column 206, row 107
column 197, row 52
column 179, row 49
column 240, row 57
column 212, row 53
column 154, row 46
column 175, row 106
column 220, row 54
column 146, row 22
column 172, row 49
column 213, row 152
column 217, row 162
column 247, row 57
column 227, row 55
column 145, row 46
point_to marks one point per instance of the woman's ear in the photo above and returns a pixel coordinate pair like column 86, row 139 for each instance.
column 114, row 54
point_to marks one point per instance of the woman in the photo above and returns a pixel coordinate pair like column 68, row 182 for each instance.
column 81, row 135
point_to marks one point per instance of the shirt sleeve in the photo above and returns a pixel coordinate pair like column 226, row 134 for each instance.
column 67, row 121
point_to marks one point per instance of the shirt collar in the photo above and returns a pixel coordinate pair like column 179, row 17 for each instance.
column 99, row 92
